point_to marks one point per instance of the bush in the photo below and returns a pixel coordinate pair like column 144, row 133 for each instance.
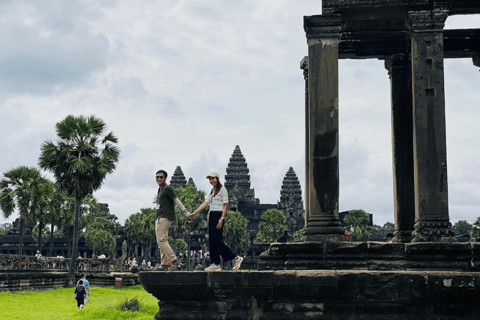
column 130, row 305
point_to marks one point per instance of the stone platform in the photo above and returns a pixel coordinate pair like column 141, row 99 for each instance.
column 315, row 294
column 331, row 280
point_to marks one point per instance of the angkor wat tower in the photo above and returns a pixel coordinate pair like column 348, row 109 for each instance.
column 178, row 179
column 291, row 201
column 191, row 183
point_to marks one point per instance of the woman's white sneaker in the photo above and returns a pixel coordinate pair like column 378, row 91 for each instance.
column 237, row 262
column 213, row 267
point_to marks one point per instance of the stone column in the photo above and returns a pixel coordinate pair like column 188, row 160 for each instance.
column 322, row 189
column 304, row 67
column 432, row 222
column 399, row 71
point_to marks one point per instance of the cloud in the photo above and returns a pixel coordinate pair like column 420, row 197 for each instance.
column 48, row 47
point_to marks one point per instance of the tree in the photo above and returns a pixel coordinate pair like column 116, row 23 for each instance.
column 79, row 164
column 100, row 240
column 140, row 227
column 181, row 245
column 378, row 231
column 462, row 227
column 20, row 189
column 43, row 236
column 56, row 211
column 44, row 206
column 235, row 232
column 298, row 235
column 273, row 227
column 475, row 233
column 357, row 220
column 103, row 242
column 88, row 207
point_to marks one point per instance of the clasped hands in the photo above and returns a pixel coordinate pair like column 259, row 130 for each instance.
column 191, row 216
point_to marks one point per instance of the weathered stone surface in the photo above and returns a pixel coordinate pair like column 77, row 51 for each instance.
column 372, row 256
column 317, row 294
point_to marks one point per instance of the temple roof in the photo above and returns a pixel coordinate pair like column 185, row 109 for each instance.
column 191, row 183
column 290, row 187
column 178, row 179
column 237, row 171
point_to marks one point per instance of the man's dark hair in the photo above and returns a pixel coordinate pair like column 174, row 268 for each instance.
column 80, row 282
column 83, row 275
column 164, row 173
column 389, row 235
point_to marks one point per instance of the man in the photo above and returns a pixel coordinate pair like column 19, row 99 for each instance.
column 166, row 197
column 86, row 285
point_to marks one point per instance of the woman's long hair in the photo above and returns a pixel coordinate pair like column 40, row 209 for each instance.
column 217, row 187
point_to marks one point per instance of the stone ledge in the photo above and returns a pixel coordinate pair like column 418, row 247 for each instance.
column 314, row 294
column 371, row 256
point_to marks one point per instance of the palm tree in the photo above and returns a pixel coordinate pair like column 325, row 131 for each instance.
column 57, row 207
column 44, row 203
column 273, row 227
column 79, row 164
column 20, row 188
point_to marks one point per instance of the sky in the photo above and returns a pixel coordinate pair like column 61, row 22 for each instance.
column 182, row 82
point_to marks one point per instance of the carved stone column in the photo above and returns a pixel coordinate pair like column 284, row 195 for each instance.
column 432, row 221
column 322, row 189
column 399, row 70
column 304, row 67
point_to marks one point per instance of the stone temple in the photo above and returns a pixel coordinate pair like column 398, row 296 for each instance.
column 241, row 195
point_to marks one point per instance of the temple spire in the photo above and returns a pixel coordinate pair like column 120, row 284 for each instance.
column 178, row 179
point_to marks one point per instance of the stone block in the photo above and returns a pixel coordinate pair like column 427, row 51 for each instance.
column 385, row 251
column 316, row 285
column 346, row 250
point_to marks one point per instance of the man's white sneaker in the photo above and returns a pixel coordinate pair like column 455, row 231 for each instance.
column 237, row 262
column 213, row 267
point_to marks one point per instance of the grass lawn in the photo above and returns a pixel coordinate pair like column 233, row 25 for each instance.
column 103, row 303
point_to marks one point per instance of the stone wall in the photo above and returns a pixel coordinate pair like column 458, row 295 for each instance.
column 43, row 280
column 316, row 294
column 18, row 262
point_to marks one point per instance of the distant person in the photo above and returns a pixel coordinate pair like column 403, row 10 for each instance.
column 80, row 294
column 38, row 255
column 166, row 198
column 346, row 235
column 218, row 202
column 389, row 237
column 86, row 285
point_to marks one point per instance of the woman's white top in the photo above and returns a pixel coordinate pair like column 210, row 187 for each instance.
column 216, row 203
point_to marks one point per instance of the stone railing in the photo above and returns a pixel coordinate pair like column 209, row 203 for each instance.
column 17, row 262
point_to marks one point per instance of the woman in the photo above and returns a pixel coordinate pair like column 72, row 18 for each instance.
column 218, row 202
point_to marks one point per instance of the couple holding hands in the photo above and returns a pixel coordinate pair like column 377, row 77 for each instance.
column 217, row 199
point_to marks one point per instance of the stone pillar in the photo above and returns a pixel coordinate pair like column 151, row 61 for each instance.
column 322, row 189
column 432, row 222
column 399, row 71
column 304, row 67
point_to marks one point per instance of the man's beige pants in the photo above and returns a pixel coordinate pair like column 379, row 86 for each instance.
column 161, row 229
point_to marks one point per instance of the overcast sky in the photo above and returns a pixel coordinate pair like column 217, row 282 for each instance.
column 182, row 82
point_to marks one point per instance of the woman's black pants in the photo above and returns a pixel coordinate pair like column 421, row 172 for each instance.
column 215, row 238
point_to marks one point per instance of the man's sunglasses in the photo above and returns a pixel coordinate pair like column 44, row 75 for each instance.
column 159, row 177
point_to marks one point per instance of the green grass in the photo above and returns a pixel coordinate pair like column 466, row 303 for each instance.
column 103, row 303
